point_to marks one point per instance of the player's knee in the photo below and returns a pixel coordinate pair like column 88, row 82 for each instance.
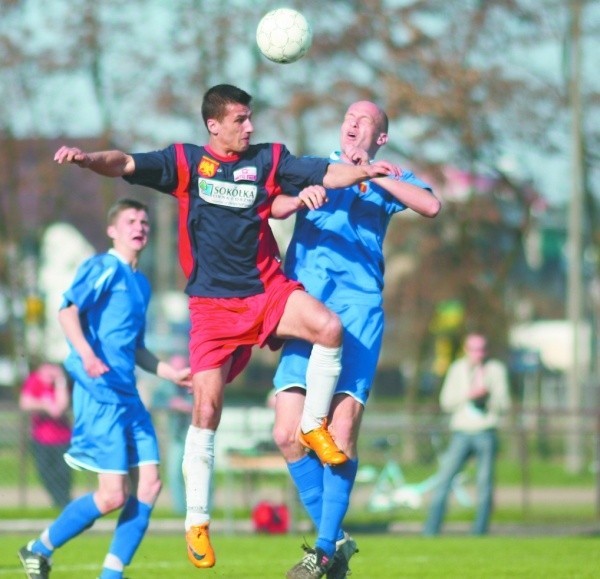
column 149, row 491
column 286, row 439
column 208, row 415
column 281, row 436
column 112, row 500
column 331, row 331
column 344, row 439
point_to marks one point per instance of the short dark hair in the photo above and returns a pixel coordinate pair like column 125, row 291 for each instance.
column 216, row 99
column 121, row 205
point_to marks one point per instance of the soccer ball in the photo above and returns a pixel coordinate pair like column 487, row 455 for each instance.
column 283, row 35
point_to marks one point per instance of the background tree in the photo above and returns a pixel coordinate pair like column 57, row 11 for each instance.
column 469, row 87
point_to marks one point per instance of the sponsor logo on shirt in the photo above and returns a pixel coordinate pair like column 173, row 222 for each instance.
column 245, row 174
column 227, row 194
column 208, row 167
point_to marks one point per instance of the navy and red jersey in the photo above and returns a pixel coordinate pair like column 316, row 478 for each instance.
column 226, row 246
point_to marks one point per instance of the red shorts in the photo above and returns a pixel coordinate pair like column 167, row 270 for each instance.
column 224, row 327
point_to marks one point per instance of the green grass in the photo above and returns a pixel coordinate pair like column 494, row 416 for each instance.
column 380, row 557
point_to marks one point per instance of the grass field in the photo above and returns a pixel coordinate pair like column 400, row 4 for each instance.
column 380, row 557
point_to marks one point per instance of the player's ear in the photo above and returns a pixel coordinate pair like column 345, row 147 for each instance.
column 111, row 232
column 213, row 126
column 382, row 139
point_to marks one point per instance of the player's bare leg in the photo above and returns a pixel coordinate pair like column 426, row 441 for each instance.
column 198, row 462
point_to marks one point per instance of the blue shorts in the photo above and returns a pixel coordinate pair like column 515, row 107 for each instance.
column 363, row 334
column 110, row 438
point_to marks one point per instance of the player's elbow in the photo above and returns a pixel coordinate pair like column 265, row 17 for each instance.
column 432, row 208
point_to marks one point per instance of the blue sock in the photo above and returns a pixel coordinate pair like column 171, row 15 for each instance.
column 131, row 527
column 337, row 486
column 76, row 517
column 110, row 574
column 307, row 474
column 40, row 549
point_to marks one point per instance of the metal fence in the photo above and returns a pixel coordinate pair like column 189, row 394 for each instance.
column 534, row 462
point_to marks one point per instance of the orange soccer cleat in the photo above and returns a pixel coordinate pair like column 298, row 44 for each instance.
column 319, row 440
column 199, row 549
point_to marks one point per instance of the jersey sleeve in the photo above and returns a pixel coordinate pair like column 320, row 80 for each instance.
column 392, row 205
column 91, row 280
column 156, row 169
column 409, row 177
column 295, row 173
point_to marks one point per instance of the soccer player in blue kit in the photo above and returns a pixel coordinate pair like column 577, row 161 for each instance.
column 103, row 316
column 336, row 252
column 238, row 294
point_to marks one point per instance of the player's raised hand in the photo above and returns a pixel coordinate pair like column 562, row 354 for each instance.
column 383, row 169
column 313, row 197
column 355, row 155
column 72, row 155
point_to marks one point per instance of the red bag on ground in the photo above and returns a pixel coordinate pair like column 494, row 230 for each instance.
column 271, row 518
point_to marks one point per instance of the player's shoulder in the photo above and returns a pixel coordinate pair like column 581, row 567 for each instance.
column 191, row 147
column 192, row 151
column 98, row 263
column 171, row 151
column 265, row 154
column 265, row 148
column 93, row 260
column 108, row 258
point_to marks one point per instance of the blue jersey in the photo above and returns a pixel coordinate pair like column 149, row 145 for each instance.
column 337, row 253
column 339, row 247
column 226, row 246
column 112, row 299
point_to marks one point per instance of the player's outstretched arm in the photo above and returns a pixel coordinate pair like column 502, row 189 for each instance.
column 146, row 360
column 107, row 163
column 420, row 200
column 343, row 174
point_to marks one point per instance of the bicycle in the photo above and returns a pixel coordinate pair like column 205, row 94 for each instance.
column 392, row 491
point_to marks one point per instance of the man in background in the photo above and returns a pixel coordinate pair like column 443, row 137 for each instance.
column 475, row 393
column 46, row 397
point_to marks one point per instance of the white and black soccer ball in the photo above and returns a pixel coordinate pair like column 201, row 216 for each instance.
column 283, row 35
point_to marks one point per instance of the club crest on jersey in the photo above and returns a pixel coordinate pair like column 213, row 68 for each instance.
column 363, row 187
column 245, row 174
column 208, row 167
column 239, row 196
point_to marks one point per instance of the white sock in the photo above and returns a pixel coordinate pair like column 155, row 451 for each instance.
column 322, row 373
column 113, row 562
column 198, row 466
column 45, row 540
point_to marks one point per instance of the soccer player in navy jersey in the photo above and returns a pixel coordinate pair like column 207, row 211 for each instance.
column 239, row 296
column 103, row 316
column 336, row 252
